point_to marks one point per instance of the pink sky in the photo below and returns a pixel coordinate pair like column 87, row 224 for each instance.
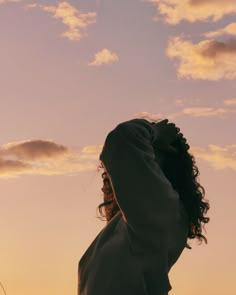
column 70, row 72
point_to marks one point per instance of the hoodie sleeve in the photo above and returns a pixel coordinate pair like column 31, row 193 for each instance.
column 143, row 193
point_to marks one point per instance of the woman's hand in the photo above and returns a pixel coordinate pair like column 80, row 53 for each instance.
column 167, row 137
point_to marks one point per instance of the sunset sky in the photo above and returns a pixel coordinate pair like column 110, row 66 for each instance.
column 70, row 72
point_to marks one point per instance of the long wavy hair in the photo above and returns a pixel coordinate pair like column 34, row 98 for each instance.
column 183, row 173
column 109, row 208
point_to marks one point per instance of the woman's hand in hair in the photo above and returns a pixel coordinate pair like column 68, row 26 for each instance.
column 167, row 134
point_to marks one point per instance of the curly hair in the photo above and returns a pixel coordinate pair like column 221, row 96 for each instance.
column 109, row 205
column 182, row 172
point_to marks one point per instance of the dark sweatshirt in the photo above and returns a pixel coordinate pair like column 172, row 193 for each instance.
column 135, row 251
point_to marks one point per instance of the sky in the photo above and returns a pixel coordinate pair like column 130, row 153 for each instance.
column 70, row 72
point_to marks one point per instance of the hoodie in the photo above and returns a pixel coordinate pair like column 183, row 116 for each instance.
column 135, row 251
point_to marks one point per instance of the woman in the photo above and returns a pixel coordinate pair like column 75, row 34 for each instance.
column 153, row 204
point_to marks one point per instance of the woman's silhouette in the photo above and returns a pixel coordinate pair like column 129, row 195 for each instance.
column 153, row 204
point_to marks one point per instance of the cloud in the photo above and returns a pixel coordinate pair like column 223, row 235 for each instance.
column 230, row 102
column 10, row 1
column 193, row 112
column 209, row 2
column 183, row 101
column 228, row 30
column 91, row 152
column 219, row 157
column 12, row 166
column 179, row 101
column 34, row 149
column 204, row 112
column 76, row 21
column 44, row 157
column 148, row 116
column 206, row 60
column 175, row 11
column 105, row 56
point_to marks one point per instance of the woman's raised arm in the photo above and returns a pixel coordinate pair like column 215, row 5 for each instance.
column 143, row 193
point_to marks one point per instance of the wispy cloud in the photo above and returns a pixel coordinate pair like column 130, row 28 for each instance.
column 192, row 112
column 10, row 1
column 75, row 21
column 204, row 112
column 105, row 56
column 44, row 157
column 230, row 102
column 148, row 116
column 227, row 30
column 207, row 60
column 91, row 152
column 200, row 112
column 179, row 101
column 219, row 157
column 175, row 11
